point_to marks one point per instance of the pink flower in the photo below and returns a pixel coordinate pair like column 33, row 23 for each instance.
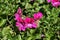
column 38, row 15
column 30, row 23
column 20, row 26
column 19, row 11
column 48, row 1
column 20, row 21
column 55, row 3
column 17, row 16
column 27, row 22
column 34, row 25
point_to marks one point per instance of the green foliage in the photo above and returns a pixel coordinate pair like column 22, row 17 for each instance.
column 49, row 25
column 2, row 22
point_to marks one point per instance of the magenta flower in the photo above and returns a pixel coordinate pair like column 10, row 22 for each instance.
column 34, row 25
column 31, row 25
column 20, row 21
column 17, row 16
column 19, row 11
column 48, row 1
column 28, row 25
column 20, row 26
column 38, row 15
column 27, row 22
column 55, row 3
column 30, row 22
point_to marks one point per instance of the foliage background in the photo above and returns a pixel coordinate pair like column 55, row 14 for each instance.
column 49, row 25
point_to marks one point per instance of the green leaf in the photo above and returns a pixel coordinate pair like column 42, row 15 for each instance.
column 27, row 6
column 29, row 38
column 6, row 30
column 19, row 37
column 40, row 1
column 2, row 22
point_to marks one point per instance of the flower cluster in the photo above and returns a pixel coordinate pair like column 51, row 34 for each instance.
column 27, row 22
column 55, row 3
